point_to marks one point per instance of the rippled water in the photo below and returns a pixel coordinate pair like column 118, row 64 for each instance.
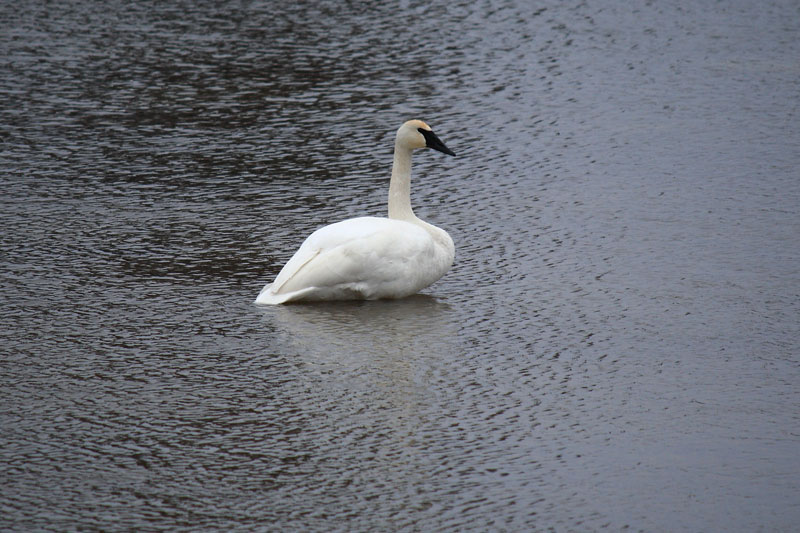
column 615, row 347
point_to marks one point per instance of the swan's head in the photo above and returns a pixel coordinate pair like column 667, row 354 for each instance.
column 416, row 134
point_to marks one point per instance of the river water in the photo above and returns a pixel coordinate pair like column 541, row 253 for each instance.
column 616, row 346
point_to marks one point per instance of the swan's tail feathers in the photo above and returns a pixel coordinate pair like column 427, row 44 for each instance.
column 267, row 297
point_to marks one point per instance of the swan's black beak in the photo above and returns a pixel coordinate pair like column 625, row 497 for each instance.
column 432, row 141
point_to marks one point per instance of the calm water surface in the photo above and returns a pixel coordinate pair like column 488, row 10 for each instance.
column 615, row 347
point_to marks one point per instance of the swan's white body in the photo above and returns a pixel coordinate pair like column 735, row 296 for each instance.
column 371, row 257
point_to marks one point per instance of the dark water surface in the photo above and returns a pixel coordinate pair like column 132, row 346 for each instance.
column 616, row 346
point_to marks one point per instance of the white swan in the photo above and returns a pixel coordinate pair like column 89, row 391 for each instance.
column 371, row 257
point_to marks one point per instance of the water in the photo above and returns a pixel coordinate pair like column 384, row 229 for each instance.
column 615, row 347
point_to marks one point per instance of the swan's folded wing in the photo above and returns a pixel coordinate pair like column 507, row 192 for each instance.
column 358, row 252
column 293, row 266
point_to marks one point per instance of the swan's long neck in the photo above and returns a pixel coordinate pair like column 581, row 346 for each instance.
column 400, row 185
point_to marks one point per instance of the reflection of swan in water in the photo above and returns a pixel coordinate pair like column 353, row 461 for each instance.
column 374, row 369
column 367, row 258
column 367, row 384
column 394, row 332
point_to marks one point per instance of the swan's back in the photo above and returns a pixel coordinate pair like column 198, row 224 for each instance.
column 362, row 258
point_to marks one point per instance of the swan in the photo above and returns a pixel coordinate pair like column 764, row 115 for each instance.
column 369, row 258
